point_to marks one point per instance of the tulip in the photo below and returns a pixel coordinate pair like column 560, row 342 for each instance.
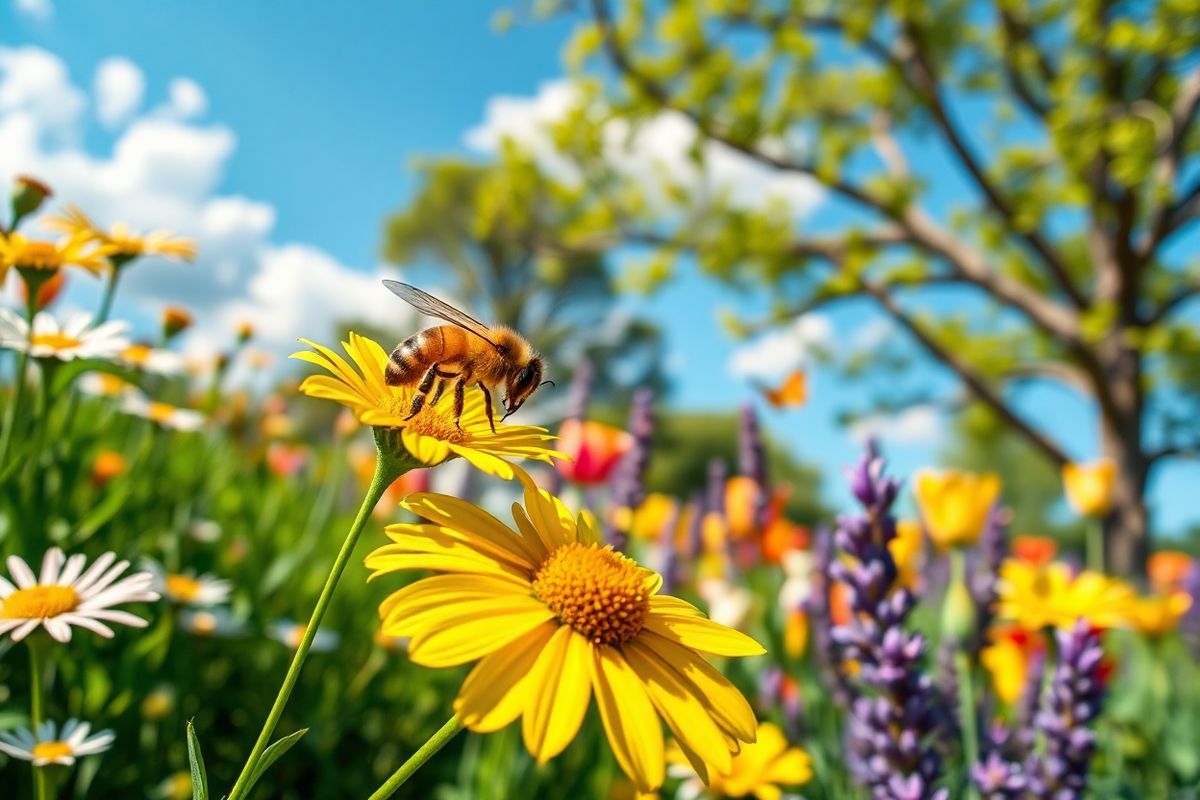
column 595, row 449
column 955, row 504
column 1089, row 487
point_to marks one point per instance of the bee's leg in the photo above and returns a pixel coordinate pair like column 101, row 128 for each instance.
column 422, row 389
column 440, row 390
column 487, row 405
column 460, row 399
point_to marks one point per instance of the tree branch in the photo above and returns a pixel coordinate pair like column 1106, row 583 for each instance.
column 966, row 373
column 1060, row 371
column 1171, row 214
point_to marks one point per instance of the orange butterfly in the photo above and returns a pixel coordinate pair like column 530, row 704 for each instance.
column 792, row 392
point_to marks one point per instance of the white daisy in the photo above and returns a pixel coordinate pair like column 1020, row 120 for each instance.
column 216, row 622
column 152, row 359
column 186, row 588
column 165, row 414
column 64, row 594
column 50, row 746
column 74, row 338
column 105, row 384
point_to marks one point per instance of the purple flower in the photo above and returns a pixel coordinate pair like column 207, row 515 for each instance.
column 752, row 461
column 629, row 487
column 896, row 711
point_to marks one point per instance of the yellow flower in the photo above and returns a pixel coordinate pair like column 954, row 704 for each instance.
column 554, row 617
column 906, row 552
column 650, row 520
column 120, row 241
column 1089, row 487
column 1038, row 596
column 1007, row 659
column 759, row 769
column 49, row 257
column 1158, row 614
column 955, row 504
column 431, row 436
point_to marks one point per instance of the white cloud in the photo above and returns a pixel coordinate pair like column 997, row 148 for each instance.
column 163, row 172
column 773, row 355
column 916, row 425
column 40, row 10
column 119, row 86
column 658, row 148
column 187, row 99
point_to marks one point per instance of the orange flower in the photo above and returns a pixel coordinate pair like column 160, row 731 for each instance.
column 47, row 292
column 955, row 504
column 795, row 634
column 595, row 450
column 741, row 506
column 1034, row 549
column 781, row 536
column 1089, row 487
column 1168, row 570
column 1158, row 614
column 285, row 460
column 839, row 604
column 109, row 464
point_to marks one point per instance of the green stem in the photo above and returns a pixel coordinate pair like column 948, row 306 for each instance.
column 418, row 759
column 387, row 469
column 41, row 791
column 14, row 411
column 1095, row 545
column 968, row 715
column 110, row 292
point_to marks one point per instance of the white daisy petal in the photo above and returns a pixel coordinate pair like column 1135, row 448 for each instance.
column 94, row 571
column 58, row 629
column 51, row 564
column 72, row 569
column 21, row 572
column 26, row 628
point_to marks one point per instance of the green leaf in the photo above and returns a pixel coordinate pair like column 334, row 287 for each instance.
column 272, row 754
column 199, row 776
column 65, row 375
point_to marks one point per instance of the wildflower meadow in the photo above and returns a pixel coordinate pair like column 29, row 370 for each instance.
column 768, row 400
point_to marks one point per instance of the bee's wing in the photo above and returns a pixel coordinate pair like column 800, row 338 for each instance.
column 428, row 304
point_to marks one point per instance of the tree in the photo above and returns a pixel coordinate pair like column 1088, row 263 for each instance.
column 1066, row 131
column 480, row 222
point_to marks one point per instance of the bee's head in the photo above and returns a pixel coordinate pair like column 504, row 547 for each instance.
column 522, row 382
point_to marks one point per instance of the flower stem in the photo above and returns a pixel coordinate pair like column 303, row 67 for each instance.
column 418, row 759
column 387, row 469
column 1095, row 545
column 36, row 713
column 110, row 291
column 14, row 410
column 968, row 716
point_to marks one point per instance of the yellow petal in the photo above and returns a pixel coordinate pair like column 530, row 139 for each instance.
column 700, row 738
column 445, row 590
column 632, row 727
column 484, row 461
column 666, row 604
column 548, row 514
column 498, row 689
column 471, row 521
column 473, row 632
column 563, row 689
column 702, row 634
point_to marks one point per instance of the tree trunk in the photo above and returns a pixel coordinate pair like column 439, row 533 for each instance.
column 1127, row 529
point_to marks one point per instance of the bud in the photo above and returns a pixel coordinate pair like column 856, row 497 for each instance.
column 245, row 331
column 175, row 321
column 48, row 289
column 28, row 194
column 108, row 465
column 958, row 613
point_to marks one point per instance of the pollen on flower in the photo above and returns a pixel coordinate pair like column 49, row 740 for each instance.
column 595, row 590
column 136, row 354
column 182, row 587
column 429, row 421
column 39, row 602
column 51, row 750
column 160, row 412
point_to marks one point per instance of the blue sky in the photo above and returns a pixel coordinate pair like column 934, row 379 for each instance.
column 326, row 108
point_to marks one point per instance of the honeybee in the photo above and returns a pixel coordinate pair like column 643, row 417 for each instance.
column 465, row 350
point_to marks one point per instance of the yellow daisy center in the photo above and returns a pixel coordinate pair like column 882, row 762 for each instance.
column 51, row 750
column 136, row 354
column 160, row 412
column 595, row 590
column 39, row 602
column 55, row 341
column 182, row 587
column 428, row 421
column 40, row 255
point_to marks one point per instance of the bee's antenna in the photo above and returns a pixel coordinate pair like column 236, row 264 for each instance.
column 543, row 383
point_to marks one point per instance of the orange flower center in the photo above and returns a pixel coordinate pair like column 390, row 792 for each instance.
column 39, row 602
column 55, row 341
column 40, row 255
column 182, row 587
column 597, row 591
column 160, row 412
column 51, row 750
column 136, row 354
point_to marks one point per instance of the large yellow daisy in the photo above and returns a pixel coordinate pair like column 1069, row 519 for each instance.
column 431, row 436
column 38, row 256
column 120, row 241
column 553, row 617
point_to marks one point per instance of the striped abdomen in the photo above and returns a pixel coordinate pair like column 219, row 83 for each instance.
column 410, row 359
